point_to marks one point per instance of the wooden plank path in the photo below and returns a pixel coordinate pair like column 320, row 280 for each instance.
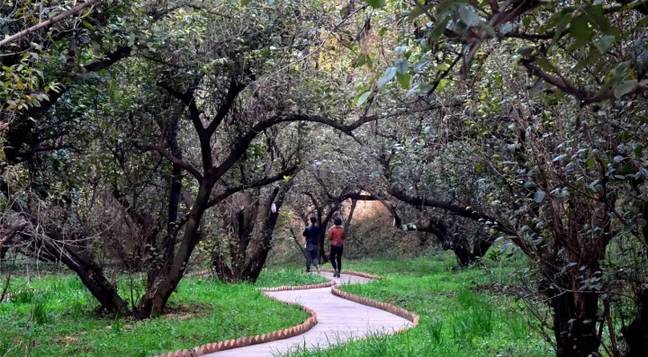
column 338, row 320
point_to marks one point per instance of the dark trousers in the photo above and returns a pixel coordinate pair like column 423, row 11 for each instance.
column 312, row 256
column 336, row 257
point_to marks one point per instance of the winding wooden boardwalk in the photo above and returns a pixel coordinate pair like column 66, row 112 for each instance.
column 338, row 320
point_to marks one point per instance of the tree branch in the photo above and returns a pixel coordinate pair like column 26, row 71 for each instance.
column 48, row 23
column 584, row 96
column 176, row 161
column 235, row 88
column 466, row 212
column 258, row 183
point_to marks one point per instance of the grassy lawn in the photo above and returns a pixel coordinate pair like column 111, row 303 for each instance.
column 455, row 321
column 54, row 316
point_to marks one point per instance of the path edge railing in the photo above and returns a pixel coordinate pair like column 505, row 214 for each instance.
column 391, row 308
column 356, row 273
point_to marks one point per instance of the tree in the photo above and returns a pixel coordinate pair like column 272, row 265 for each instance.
column 542, row 156
column 234, row 92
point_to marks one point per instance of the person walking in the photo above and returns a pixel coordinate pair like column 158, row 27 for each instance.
column 312, row 233
column 336, row 238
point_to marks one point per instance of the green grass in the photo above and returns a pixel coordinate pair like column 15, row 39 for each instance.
column 55, row 316
column 455, row 320
column 289, row 275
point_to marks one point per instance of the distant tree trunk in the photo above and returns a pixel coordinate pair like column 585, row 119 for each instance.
column 261, row 247
column 470, row 250
column 347, row 223
column 5, row 288
column 249, row 248
column 467, row 250
column 333, row 209
column 7, row 235
column 465, row 257
column 242, row 220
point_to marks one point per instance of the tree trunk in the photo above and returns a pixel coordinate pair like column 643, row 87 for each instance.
column 93, row 277
column 575, row 316
column 91, row 274
column 636, row 334
column 247, row 265
column 167, row 279
column 220, row 268
column 347, row 223
column 463, row 254
column 261, row 248
column 323, row 225
column 469, row 254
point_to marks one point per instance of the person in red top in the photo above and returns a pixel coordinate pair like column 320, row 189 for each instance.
column 336, row 237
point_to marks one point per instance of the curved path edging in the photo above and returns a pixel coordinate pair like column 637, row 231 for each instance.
column 305, row 326
column 393, row 309
column 299, row 287
column 287, row 332
column 356, row 273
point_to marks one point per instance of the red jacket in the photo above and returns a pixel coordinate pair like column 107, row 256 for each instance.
column 336, row 236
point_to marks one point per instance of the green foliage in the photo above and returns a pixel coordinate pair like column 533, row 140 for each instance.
column 377, row 4
column 291, row 275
